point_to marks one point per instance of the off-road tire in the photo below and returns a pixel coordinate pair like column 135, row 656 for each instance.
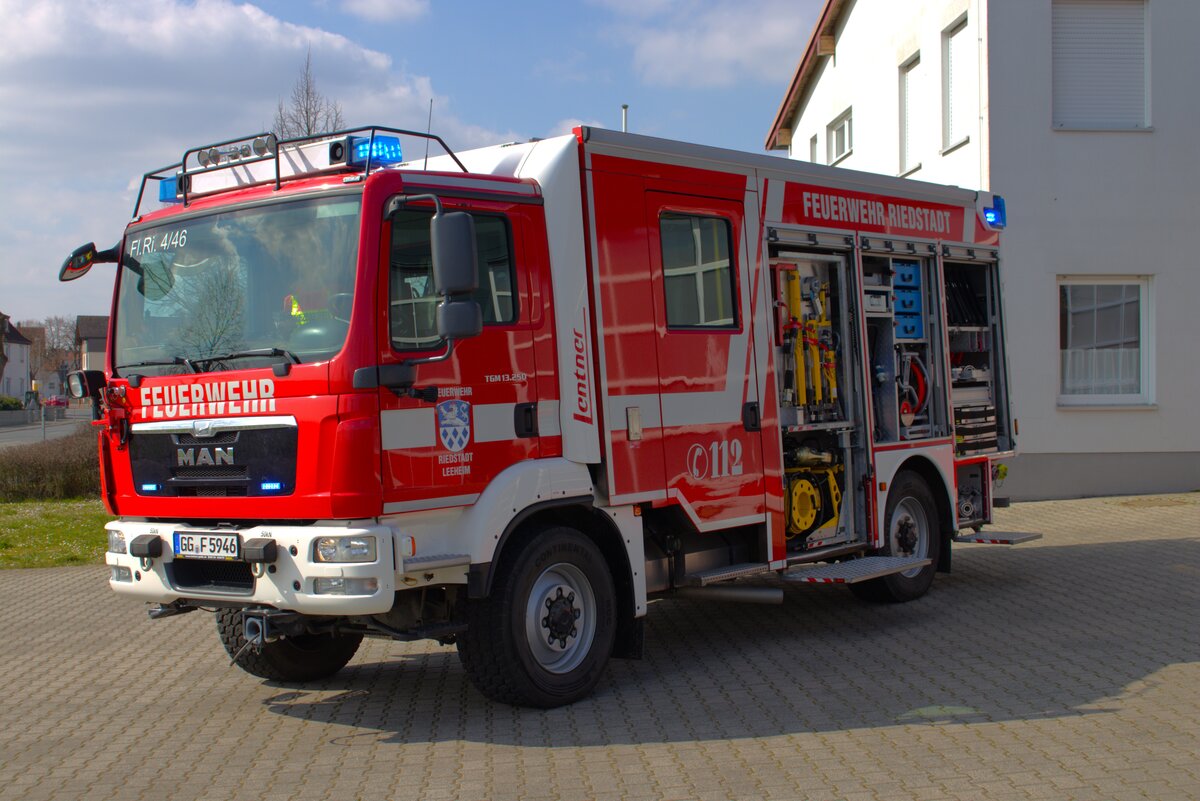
column 496, row 650
column 909, row 492
column 290, row 659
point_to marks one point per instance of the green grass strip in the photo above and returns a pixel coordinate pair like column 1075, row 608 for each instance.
column 52, row 533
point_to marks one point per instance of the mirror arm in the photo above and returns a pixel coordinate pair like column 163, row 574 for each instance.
column 399, row 378
column 397, row 202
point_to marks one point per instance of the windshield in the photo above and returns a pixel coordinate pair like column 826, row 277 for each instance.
column 238, row 289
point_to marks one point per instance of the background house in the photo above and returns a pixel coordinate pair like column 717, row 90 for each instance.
column 14, row 381
column 91, row 338
column 1083, row 115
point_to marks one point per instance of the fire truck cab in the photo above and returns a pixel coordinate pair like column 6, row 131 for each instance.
column 503, row 398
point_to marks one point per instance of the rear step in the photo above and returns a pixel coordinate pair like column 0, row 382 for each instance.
column 854, row 570
column 999, row 537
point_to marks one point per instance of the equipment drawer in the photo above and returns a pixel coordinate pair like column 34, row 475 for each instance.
column 908, row 301
column 908, row 273
column 909, row 326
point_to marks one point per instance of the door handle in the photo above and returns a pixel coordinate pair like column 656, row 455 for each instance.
column 750, row 416
column 525, row 420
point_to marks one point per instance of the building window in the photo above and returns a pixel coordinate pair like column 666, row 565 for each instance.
column 697, row 271
column 1104, row 341
column 839, row 137
column 958, row 85
column 812, row 150
column 1099, row 64
column 908, row 119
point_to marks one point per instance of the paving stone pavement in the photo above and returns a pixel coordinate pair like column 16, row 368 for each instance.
column 1067, row 668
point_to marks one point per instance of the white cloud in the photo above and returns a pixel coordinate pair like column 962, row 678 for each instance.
column 386, row 10
column 96, row 92
column 714, row 43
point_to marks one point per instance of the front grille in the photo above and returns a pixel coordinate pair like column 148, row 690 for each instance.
column 212, row 575
column 231, row 464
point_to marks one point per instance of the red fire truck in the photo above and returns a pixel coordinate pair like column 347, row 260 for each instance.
column 502, row 398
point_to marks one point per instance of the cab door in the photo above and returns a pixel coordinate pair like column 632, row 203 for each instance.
column 470, row 416
column 708, row 385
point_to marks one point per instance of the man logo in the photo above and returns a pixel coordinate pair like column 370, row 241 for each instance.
column 203, row 457
column 454, row 424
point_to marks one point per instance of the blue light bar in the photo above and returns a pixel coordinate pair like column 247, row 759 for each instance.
column 149, row 488
column 384, row 150
column 168, row 190
column 995, row 215
column 271, row 486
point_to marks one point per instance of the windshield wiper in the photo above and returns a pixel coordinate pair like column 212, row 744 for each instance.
column 257, row 352
column 174, row 360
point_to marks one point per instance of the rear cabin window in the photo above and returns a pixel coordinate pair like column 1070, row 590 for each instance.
column 698, row 272
column 413, row 302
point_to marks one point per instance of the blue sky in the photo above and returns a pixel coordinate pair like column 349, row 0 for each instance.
column 93, row 93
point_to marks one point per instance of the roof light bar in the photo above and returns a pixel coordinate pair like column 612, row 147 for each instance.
column 353, row 151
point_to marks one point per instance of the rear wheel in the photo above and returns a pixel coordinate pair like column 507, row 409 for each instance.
column 912, row 530
column 304, row 658
column 544, row 635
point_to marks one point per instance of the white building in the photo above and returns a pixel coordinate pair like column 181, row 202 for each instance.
column 1084, row 115
column 14, row 381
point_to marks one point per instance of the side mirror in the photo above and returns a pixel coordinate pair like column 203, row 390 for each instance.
column 81, row 260
column 85, row 384
column 459, row 319
column 452, row 240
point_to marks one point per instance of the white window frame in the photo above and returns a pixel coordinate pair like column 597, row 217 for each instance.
column 952, row 138
column 908, row 142
column 845, row 120
column 1146, row 346
column 814, row 154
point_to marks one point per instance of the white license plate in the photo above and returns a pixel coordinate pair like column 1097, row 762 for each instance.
column 207, row 545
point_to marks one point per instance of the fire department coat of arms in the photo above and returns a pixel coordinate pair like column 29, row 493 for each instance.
column 454, row 423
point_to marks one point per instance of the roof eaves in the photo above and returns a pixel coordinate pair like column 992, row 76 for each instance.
column 827, row 22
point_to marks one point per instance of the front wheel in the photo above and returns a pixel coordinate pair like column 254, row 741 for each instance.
column 304, row 658
column 913, row 529
column 544, row 635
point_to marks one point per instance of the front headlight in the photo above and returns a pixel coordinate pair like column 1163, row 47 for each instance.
column 116, row 541
column 344, row 549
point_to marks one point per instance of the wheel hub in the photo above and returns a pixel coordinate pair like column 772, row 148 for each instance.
column 906, row 535
column 561, row 614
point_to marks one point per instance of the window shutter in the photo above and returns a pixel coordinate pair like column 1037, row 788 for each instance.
column 1099, row 63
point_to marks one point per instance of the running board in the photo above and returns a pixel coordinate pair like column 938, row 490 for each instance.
column 999, row 537
column 706, row 577
column 855, row 570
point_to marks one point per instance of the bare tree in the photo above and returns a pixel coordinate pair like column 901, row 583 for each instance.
column 308, row 112
column 53, row 345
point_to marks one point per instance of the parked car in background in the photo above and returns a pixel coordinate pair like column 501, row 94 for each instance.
column 55, row 400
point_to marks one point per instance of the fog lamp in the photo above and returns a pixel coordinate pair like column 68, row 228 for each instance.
column 336, row 585
column 119, row 573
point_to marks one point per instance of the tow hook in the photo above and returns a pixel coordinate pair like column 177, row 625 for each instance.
column 256, row 628
column 263, row 626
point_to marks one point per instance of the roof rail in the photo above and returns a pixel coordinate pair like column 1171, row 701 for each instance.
column 262, row 147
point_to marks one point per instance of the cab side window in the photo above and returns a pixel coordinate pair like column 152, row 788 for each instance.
column 413, row 300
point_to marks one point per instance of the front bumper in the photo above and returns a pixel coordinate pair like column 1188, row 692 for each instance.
column 287, row 583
